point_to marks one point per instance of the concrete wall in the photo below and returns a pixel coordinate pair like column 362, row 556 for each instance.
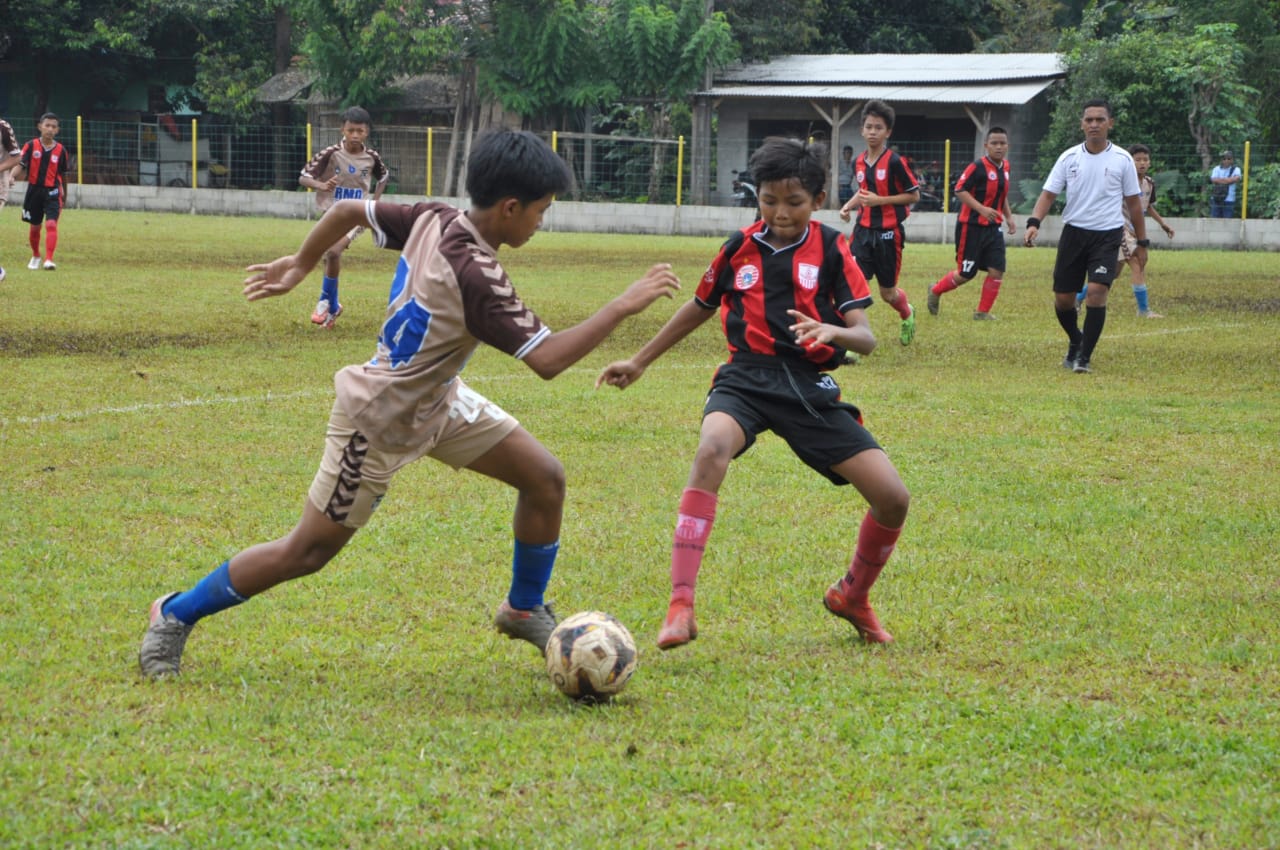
column 643, row 219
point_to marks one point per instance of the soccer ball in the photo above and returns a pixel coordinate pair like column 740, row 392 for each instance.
column 590, row 656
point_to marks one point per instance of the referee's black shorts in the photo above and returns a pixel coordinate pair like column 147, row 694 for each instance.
column 1086, row 255
column 795, row 401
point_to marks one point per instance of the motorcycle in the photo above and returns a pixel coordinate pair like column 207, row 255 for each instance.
column 744, row 189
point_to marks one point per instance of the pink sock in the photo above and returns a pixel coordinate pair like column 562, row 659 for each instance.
column 990, row 289
column 945, row 284
column 875, row 544
column 901, row 304
column 693, row 527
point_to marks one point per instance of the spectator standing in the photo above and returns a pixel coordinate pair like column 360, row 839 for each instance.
column 1224, row 177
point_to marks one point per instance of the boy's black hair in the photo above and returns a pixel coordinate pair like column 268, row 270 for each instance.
column 995, row 130
column 1139, row 148
column 1098, row 101
column 881, row 110
column 787, row 159
column 49, row 115
column 357, row 115
column 513, row 164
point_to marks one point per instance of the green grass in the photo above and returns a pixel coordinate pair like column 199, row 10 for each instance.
column 1085, row 596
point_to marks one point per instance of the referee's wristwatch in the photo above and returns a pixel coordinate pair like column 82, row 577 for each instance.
column 1144, row 243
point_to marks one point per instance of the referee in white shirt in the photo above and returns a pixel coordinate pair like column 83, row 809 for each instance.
column 1099, row 179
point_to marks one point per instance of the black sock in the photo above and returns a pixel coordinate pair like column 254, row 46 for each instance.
column 1094, row 319
column 1068, row 319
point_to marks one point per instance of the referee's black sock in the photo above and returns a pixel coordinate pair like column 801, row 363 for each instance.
column 1094, row 319
column 1068, row 319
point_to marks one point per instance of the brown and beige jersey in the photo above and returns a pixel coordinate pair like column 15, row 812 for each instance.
column 449, row 294
column 358, row 173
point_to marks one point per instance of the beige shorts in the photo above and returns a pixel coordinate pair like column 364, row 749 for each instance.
column 6, row 181
column 1127, row 246
column 354, row 475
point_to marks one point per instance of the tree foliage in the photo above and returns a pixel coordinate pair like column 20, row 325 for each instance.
column 1169, row 81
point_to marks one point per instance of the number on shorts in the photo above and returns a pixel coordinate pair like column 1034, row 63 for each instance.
column 966, row 268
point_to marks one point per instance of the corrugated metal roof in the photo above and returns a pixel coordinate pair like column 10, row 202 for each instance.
column 881, row 68
column 983, row 92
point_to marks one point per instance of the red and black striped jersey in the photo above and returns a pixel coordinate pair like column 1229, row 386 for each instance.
column 989, row 185
column 44, row 166
column 888, row 175
column 755, row 284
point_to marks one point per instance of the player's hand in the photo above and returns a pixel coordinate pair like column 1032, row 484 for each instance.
column 620, row 374
column 809, row 331
column 1168, row 231
column 1029, row 238
column 659, row 282
column 331, row 183
column 274, row 278
column 866, row 198
column 1011, row 226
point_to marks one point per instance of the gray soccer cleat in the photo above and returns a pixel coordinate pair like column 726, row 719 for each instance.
column 534, row 625
column 162, row 645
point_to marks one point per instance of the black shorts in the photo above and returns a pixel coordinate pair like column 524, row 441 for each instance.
column 879, row 254
column 797, row 402
column 1086, row 255
column 978, row 247
column 40, row 203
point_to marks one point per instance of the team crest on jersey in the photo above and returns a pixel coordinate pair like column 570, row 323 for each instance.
column 351, row 169
column 747, row 277
column 862, row 177
column 991, row 175
column 807, row 273
column 882, row 173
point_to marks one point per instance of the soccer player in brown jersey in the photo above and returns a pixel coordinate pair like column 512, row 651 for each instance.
column 449, row 294
column 884, row 188
column 792, row 303
column 983, row 192
column 348, row 170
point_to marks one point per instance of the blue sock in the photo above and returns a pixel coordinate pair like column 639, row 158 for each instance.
column 1140, row 293
column 212, row 594
column 329, row 291
column 530, row 571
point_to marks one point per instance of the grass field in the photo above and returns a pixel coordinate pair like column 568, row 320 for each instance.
column 1086, row 598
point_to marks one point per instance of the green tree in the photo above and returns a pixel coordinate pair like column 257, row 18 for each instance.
column 659, row 52
column 1168, row 81
column 767, row 28
column 540, row 58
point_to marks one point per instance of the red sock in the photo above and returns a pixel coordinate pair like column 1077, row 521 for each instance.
column 990, row 289
column 33, row 234
column 945, row 284
column 875, row 545
column 693, row 527
column 901, row 305
column 50, row 238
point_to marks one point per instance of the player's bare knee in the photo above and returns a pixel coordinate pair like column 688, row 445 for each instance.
column 891, row 506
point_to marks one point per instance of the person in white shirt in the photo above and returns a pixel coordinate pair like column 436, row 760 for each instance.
column 1100, row 181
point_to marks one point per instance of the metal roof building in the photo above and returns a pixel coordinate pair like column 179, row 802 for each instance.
column 937, row 97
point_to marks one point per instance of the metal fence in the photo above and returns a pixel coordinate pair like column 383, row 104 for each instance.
column 429, row 161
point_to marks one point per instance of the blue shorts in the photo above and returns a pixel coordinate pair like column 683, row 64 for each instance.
column 795, row 401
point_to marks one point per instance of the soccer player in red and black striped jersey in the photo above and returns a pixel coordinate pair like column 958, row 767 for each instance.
column 885, row 188
column 983, row 192
column 45, row 162
column 791, row 300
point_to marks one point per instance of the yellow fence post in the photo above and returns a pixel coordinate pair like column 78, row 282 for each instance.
column 308, row 149
column 946, row 178
column 430, row 152
column 679, row 169
column 79, row 150
column 1244, row 185
column 555, row 140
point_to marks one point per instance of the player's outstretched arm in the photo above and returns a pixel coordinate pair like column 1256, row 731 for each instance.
column 624, row 373
column 564, row 348
column 854, row 336
column 284, row 273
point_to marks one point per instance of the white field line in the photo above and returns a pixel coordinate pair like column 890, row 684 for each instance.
column 231, row 401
